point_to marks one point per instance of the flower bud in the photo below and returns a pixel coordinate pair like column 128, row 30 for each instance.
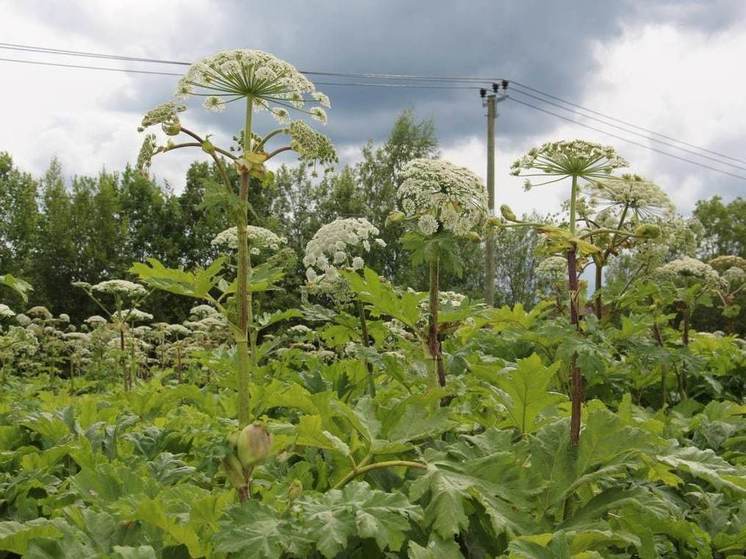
column 234, row 471
column 253, row 444
column 648, row 231
column 474, row 236
column 507, row 213
column 295, row 490
column 395, row 217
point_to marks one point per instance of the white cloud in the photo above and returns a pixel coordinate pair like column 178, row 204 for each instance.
column 676, row 79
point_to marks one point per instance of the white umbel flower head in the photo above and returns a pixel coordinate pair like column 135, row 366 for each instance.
column 633, row 193
column 243, row 73
column 439, row 195
column 167, row 115
column 259, row 239
column 569, row 158
column 120, row 288
column 132, row 315
column 686, row 269
column 202, row 311
column 95, row 321
column 552, row 269
column 6, row 311
column 339, row 244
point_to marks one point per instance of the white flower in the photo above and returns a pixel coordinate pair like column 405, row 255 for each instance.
column 6, row 312
column 120, row 288
column 311, row 275
column 202, row 311
column 311, row 145
column 248, row 73
column 427, row 225
column 569, row 158
column 132, row 315
column 685, row 268
column 322, row 99
column 358, row 263
column 39, row 312
column 438, row 193
column 259, row 238
column 167, row 115
column 178, row 331
column 95, row 320
column 632, row 192
column 552, row 270
column 317, row 113
column 214, row 104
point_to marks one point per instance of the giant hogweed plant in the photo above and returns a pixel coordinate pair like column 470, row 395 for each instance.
column 340, row 246
column 582, row 162
column 440, row 202
column 259, row 82
column 125, row 297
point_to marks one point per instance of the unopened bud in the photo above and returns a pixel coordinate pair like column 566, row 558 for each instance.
column 234, row 471
column 507, row 213
column 253, row 444
column 295, row 490
column 395, row 217
column 473, row 236
column 648, row 231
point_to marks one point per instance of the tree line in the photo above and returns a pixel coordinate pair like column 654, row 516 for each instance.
column 55, row 231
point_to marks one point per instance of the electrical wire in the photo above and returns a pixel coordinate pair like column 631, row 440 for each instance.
column 598, row 113
column 133, row 71
column 521, row 89
column 633, row 142
column 639, row 134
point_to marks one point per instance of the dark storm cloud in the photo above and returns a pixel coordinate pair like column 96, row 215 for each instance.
column 548, row 45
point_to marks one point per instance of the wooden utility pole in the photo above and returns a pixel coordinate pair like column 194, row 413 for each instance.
column 490, row 100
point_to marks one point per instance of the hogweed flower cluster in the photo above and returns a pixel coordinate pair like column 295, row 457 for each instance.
column 271, row 83
column 259, row 239
column 118, row 288
column 640, row 196
column 339, row 244
column 311, row 145
column 6, row 311
column 687, row 268
column 440, row 195
column 165, row 114
column 568, row 158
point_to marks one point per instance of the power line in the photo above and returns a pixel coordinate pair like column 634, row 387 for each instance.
column 549, row 95
column 89, row 54
column 633, row 142
column 408, row 78
column 133, row 71
column 639, row 134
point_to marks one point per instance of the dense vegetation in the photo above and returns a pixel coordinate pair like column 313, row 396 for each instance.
column 273, row 365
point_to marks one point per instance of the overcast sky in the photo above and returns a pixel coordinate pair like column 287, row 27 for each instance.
column 675, row 67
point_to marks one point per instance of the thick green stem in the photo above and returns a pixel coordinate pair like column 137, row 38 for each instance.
column 377, row 466
column 433, row 343
column 576, row 377
column 244, row 267
column 366, row 343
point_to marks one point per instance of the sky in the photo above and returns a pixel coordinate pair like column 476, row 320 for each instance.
column 668, row 66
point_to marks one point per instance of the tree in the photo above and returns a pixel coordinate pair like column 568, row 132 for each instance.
column 724, row 226
column 18, row 216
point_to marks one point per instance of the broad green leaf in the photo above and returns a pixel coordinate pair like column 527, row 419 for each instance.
column 335, row 517
column 526, row 392
column 383, row 299
column 255, row 531
column 197, row 284
column 16, row 536
column 21, row 287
